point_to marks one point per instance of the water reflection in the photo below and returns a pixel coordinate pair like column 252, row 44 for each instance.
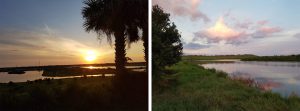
column 90, row 67
column 35, row 75
column 280, row 77
column 133, row 68
column 96, row 67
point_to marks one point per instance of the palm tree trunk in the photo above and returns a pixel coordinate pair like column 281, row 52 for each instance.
column 120, row 53
column 145, row 39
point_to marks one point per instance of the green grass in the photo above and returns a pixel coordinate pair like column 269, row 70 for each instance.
column 77, row 94
column 194, row 88
column 273, row 58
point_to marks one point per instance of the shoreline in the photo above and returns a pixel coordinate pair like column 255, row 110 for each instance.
column 197, row 88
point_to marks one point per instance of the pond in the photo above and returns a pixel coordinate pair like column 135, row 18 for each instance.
column 279, row 77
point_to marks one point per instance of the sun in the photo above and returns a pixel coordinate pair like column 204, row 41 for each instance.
column 90, row 56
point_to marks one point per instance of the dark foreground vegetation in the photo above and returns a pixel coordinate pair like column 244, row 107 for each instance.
column 274, row 58
column 77, row 71
column 61, row 72
column 128, row 93
column 189, row 87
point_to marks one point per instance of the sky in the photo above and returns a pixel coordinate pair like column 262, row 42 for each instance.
column 220, row 27
column 50, row 32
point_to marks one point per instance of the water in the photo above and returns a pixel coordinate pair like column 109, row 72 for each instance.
column 105, row 67
column 34, row 75
column 279, row 77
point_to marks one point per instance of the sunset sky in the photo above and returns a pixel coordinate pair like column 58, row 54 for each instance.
column 51, row 31
column 261, row 27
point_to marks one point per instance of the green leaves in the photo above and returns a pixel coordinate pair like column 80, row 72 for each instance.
column 167, row 46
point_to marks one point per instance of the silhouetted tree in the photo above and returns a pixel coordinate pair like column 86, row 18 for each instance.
column 118, row 18
column 138, row 19
column 167, row 46
column 142, row 14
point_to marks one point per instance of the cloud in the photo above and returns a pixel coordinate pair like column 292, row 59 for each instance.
column 184, row 8
column 220, row 31
column 48, row 30
column 194, row 46
column 265, row 32
column 297, row 35
column 242, row 33
column 39, row 43
column 269, row 29
column 244, row 25
column 262, row 22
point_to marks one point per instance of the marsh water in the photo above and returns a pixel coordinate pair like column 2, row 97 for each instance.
column 34, row 75
column 279, row 77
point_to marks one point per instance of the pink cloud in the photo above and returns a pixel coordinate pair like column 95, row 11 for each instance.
column 262, row 22
column 184, row 8
column 220, row 31
column 265, row 31
column 241, row 33
column 270, row 29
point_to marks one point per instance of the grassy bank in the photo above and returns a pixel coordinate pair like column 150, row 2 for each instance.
column 78, row 94
column 273, row 58
column 193, row 88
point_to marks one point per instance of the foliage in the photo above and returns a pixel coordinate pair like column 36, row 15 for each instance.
column 167, row 47
column 199, row 89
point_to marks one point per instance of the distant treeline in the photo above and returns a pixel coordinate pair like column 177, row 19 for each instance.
column 273, row 58
column 215, row 57
column 60, row 72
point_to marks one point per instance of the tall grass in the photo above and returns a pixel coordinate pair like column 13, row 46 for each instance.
column 77, row 94
column 200, row 89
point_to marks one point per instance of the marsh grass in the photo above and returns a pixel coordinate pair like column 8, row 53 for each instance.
column 200, row 89
column 77, row 94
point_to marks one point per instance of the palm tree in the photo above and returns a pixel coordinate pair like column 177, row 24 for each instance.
column 142, row 18
column 109, row 17
column 139, row 18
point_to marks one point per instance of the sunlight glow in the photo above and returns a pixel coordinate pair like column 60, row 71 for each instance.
column 90, row 56
column 91, row 67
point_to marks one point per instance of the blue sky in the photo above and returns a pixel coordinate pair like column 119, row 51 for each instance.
column 50, row 31
column 261, row 27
